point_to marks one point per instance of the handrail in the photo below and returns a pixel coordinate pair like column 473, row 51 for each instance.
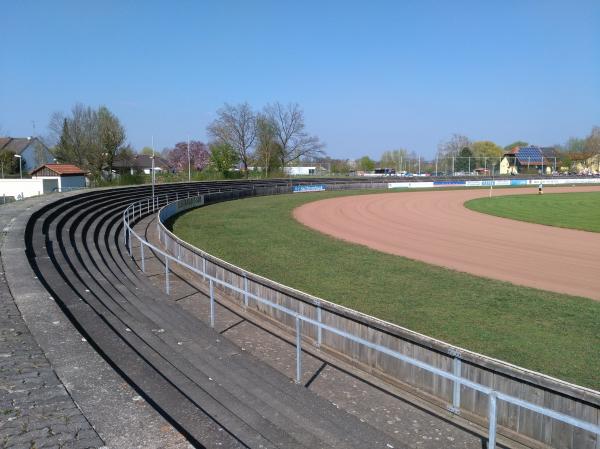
column 143, row 205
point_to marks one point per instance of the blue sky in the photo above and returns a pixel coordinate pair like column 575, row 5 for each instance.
column 371, row 76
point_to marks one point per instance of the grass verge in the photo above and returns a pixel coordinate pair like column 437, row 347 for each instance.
column 543, row 331
column 565, row 210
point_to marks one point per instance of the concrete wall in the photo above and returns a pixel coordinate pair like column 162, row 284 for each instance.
column 22, row 188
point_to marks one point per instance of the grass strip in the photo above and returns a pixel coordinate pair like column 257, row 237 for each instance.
column 549, row 332
column 564, row 210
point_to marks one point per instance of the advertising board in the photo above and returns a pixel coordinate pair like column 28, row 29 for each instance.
column 309, row 188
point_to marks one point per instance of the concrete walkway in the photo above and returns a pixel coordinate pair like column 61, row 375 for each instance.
column 55, row 390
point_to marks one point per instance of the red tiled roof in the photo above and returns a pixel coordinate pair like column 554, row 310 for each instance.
column 61, row 169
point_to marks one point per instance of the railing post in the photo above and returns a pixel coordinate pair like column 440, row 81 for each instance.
column 298, row 350
column 142, row 256
column 129, row 242
column 148, row 205
column 167, row 289
column 204, row 268
column 319, row 329
column 178, row 250
column 457, row 371
column 245, row 291
column 212, row 303
column 492, row 421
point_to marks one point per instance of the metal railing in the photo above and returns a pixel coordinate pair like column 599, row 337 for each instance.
column 139, row 209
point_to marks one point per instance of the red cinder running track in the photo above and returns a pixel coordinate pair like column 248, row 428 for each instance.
column 436, row 228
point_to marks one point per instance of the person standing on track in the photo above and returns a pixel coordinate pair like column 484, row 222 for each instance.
column 541, row 189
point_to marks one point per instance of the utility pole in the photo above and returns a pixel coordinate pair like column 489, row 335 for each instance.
column 189, row 162
column 152, row 171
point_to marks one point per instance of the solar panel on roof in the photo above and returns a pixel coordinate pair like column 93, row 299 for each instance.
column 530, row 155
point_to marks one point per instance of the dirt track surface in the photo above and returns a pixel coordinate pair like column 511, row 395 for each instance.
column 436, row 228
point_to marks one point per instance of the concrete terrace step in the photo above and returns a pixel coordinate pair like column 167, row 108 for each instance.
column 189, row 371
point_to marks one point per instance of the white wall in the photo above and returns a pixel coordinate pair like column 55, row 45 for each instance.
column 294, row 171
column 21, row 188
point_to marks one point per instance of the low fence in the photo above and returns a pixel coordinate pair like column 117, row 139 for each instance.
column 524, row 406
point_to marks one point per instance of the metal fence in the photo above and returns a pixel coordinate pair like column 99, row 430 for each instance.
column 485, row 391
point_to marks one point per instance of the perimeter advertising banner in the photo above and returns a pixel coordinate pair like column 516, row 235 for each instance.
column 309, row 188
column 564, row 181
column 490, row 182
column 409, row 185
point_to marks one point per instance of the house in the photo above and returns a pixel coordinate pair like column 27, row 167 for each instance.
column 66, row 177
column 589, row 166
column 32, row 150
column 142, row 163
column 528, row 159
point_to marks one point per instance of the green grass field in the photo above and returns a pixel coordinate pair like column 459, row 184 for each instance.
column 548, row 332
column 565, row 210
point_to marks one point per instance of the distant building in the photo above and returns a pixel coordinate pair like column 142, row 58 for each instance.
column 305, row 170
column 299, row 171
column 32, row 150
column 66, row 177
column 589, row 166
column 526, row 160
column 142, row 163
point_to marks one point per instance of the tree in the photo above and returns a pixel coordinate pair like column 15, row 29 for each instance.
column 9, row 164
column 487, row 154
column 395, row 159
column 365, row 163
column 268, row 150
column 222, row 157
column 88, row 138
column 147, row 151
column 453, row 146
column 592, row 142
column 112, row 138
column 448, row 151
column 294, row 141
column 464, row 160
column 199, row 155
column 235, row 127
column 78, row 139
column 518, row 143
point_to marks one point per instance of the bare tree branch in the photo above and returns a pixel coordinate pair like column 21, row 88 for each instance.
column 290, row 134
column 235, row 126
